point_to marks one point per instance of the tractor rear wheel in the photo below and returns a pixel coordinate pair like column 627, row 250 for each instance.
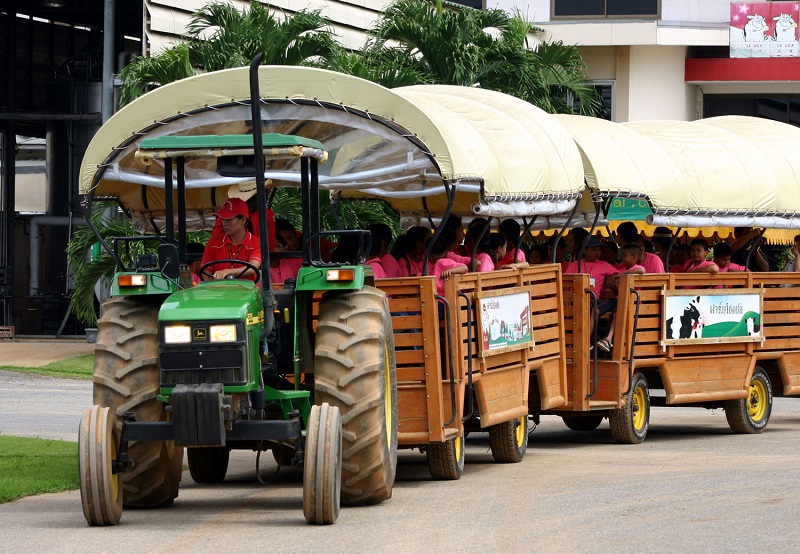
column 446, row 459
column 355, row 370
column 629, row 424
column 750, row 415
column 583, row 423
column 509, row 440
column 322, row 466
column 208, row 465
column 101, row 494
column 126, row 379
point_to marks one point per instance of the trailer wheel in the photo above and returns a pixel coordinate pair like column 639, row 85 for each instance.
column 750, row 415
column 209, row 464
column 583, row 423
column 509, row 440
column 322, row 466
column 629, row 424
column 446, row 459
column 355, row 370
column 126, row 379
column 101, row 494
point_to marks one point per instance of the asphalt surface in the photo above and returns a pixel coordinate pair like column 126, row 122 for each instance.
column 692, row 485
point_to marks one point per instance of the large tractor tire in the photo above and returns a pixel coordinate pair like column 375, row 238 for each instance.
column 126, row 379
column 209, row 464
column 355, row 370
column 750, row 415
column 629, row 424
column 583, row 423
column 509, row 440
column 322, row 467
column 101, row 495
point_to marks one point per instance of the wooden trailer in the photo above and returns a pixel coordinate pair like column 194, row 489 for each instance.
column 723, row 341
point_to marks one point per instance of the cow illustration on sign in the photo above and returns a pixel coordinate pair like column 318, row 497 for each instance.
column 785, row 28
column 687, row 325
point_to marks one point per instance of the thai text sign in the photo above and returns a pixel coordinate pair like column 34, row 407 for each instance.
column 764, row 30
column 711, row 316
column 504, row 318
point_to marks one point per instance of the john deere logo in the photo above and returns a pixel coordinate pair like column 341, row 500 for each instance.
column 199, row 334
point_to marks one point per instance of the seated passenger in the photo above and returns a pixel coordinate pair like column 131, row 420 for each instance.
column 416, row 239
column 236, row 243
column 382, row 263
column 281, row 269
column 630, row 266
column 442, row 266
column 628, row 233
column 680, row 255
column 722, row 257
column 538, row 255
column 488, row 244
column 745, row 240
column 561, row 253
column 510, row 230
column 697, row 263
column 592, row 265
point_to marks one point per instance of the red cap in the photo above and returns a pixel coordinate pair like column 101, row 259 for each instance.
column 233, row 207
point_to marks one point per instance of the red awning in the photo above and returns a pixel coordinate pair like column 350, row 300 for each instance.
column 769, row 70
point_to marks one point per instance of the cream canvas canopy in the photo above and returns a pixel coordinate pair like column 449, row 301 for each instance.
column 721, row 171
column 504, row 156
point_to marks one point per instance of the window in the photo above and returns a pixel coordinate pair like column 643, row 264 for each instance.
column 602, row 9
column 477, row 4
column 606, row 91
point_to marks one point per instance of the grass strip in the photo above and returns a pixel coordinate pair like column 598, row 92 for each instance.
column 34, row 466
column 71, row 368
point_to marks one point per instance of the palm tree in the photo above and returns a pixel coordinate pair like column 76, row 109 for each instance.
column 486, row 48
column 220, row 36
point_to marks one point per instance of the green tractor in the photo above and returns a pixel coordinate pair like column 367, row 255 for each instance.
column 306, row 370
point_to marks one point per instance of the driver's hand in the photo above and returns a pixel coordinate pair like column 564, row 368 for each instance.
column 221, row 274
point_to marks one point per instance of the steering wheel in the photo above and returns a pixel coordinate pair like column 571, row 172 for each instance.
column 247, row 265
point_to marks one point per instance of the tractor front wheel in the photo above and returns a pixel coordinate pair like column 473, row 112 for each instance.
column 355, row 370
column 322, row 466
column 101, row 494
column 126, row 379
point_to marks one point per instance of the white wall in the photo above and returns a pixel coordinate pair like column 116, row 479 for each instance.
column 704, row 11
column 656, row 89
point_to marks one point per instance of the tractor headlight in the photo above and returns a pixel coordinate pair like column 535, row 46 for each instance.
column 176, row 334
column 222, row 333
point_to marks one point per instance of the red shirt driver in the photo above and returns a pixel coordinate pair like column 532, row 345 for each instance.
column 237, row 243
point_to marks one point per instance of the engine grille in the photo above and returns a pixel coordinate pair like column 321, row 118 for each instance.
column 187, row 366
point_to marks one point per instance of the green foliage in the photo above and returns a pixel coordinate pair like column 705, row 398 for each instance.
column 486, row 48
column 80, row 368
column 220, row 36
column 110, row 223
column 414, row 42
column 34, row 466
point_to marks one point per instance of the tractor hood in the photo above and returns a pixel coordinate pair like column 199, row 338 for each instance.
column 214, row 300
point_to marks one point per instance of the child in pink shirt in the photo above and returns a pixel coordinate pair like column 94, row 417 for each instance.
column 697, row 259
column 722, row 257
column 630, row 266
column 443, row 267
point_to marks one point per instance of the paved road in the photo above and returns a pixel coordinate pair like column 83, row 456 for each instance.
column 691, row 486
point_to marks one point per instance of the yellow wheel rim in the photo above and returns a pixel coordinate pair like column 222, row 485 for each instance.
column 522, row 429
column 457, row 447
column 639, row 415
column 757, row 401
column 387, row 394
